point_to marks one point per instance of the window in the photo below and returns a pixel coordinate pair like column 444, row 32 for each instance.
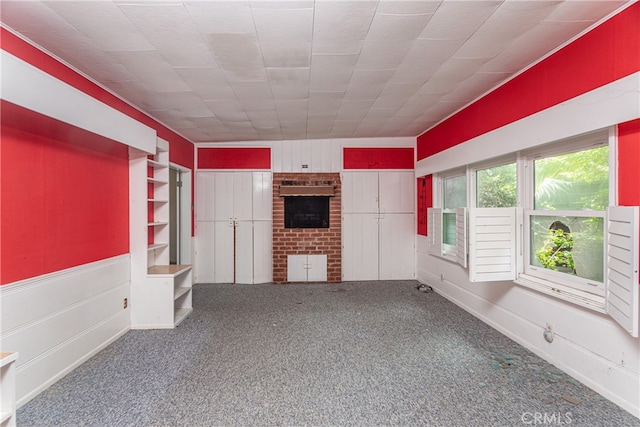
column 565, row 218
column 454, row 195
column 548, row 222
column 496, row 186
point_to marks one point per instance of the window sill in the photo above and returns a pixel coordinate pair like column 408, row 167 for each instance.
column 574, row 296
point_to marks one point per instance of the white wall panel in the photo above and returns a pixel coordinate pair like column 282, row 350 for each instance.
column 205, row 252
column 397, row 192
column 83, row 304
column 397, row 247
column 359, row 247
column 360, row 192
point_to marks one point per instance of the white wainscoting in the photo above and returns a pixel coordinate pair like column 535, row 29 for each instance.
column 589, row 346
column 59, row 320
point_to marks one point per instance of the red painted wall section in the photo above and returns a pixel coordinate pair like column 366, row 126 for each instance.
column 425, row 201
column 629, row 163
column 607, row 53
column 234, row 158
column 64, row 196
column 181, row 150
column 378, row 158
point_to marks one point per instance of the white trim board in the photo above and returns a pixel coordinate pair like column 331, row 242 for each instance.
column 31, row 88
column 605, row 106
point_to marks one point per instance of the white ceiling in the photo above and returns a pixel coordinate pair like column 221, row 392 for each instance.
column 274, row 70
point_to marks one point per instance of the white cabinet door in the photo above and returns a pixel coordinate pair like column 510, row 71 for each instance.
column 223, row 251
column 262, row 196
column 262, row 252
column 396, row 192
column 223, row 196
column 296, row 271
column 359, row 247
column 243, row 196
column 205, row 254
column 205, row 196
column 397, row 247
column 244, row 252
column 306, row 268
column 359, row 192
column 316, row 268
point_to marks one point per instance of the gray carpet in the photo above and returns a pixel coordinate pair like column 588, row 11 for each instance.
column 353, row 354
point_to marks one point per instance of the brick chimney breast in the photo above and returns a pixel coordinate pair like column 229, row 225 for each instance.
column 307, row 241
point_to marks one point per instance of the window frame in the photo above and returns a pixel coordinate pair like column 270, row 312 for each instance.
column 451, row 251
column 493, row 163
column 559, row 282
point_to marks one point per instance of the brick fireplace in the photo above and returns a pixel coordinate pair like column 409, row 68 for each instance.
column 307, row 241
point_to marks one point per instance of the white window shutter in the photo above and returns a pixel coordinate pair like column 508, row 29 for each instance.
column 434, row 231
column 492, row 244
column 461, row 236
column 622, row 300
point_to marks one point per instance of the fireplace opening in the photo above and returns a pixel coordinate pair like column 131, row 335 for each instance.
column 306, row 212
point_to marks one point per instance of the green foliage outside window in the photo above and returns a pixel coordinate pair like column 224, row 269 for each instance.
column 497, row 186
column 557, row 251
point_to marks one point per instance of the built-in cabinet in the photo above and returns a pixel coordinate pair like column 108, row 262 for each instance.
column 306, row 268
column 8, row 389
column 378, row 225
column 234, row 227
column 160, row 292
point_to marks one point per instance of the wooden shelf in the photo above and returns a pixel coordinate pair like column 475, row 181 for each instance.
column 8, row 389
column 157, row 246
column 156, row 180
column 156, row 163
column 180, row 292
column 168, row 270
column 157, row 224
column 180, row 314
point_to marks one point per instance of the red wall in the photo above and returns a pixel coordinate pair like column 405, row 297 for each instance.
column 64, row 196
column 234, row 158
column 377, row 158
column 425, row 201
column 629, row 163
column 605, row 54
column 65, row 191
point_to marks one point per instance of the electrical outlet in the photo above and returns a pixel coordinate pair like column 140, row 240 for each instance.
column 126, row 302
column 548, row 334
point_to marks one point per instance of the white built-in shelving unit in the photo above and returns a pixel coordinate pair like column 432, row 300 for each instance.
column 160, row 292
column 8, row 389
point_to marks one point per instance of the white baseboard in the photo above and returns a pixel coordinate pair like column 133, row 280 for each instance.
column 59, row 320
